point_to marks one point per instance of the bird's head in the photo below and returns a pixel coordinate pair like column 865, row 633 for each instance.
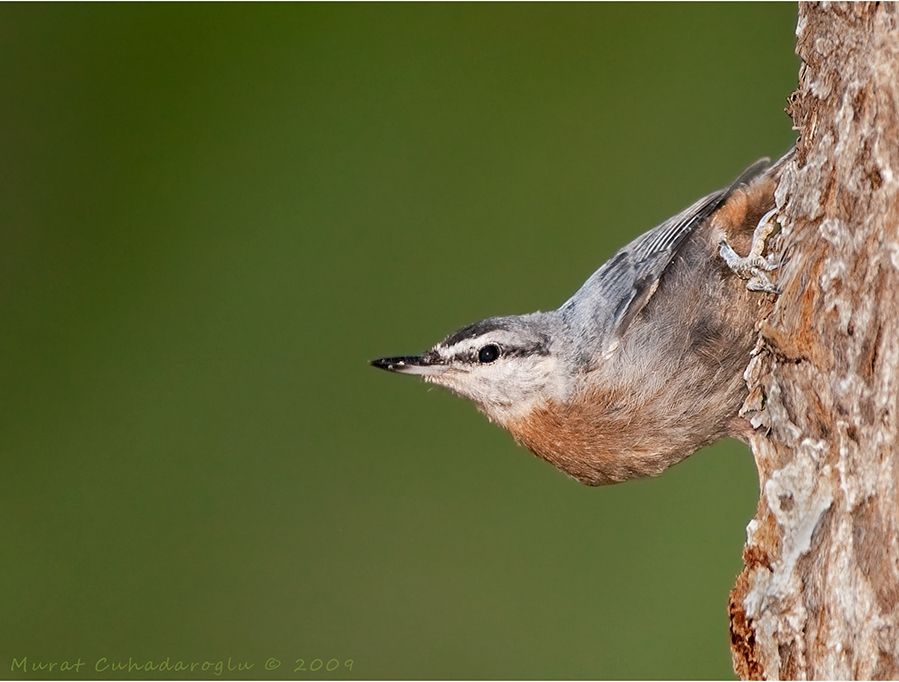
column 506, row 365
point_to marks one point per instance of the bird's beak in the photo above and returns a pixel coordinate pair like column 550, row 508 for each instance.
column 428, row 364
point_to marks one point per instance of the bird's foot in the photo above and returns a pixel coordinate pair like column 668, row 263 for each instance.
column 753, row 266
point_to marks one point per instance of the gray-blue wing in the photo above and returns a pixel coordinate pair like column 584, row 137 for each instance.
column 613, row 295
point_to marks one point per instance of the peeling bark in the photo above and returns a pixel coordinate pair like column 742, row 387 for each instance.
column 819, row 593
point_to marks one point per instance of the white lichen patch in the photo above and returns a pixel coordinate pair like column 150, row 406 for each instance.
column 771, row 600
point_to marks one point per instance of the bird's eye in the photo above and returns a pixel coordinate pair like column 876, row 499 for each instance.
column 488, row 353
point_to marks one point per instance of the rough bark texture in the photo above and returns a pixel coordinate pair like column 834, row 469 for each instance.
column 819, row 594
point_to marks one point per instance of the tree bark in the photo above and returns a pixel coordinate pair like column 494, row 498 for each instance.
column 819, row 594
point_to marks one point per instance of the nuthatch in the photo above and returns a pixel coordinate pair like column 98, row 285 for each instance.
column 644, row 364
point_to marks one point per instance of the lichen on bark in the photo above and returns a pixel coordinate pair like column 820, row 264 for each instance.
column 819, row 593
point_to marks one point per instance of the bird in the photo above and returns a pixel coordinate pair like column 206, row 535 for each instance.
column 644, row 364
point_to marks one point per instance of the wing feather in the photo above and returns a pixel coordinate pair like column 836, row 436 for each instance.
column 627, row 281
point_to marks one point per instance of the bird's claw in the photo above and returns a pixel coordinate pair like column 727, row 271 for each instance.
column 753, row 266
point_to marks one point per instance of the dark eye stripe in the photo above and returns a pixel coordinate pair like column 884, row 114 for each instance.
column 473, row 355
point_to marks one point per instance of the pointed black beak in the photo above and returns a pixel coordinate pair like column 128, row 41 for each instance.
column 410, row 364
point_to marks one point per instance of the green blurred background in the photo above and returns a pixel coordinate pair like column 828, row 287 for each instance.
column 214, row 216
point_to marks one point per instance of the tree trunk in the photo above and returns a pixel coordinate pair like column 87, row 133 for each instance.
column 819, row 594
